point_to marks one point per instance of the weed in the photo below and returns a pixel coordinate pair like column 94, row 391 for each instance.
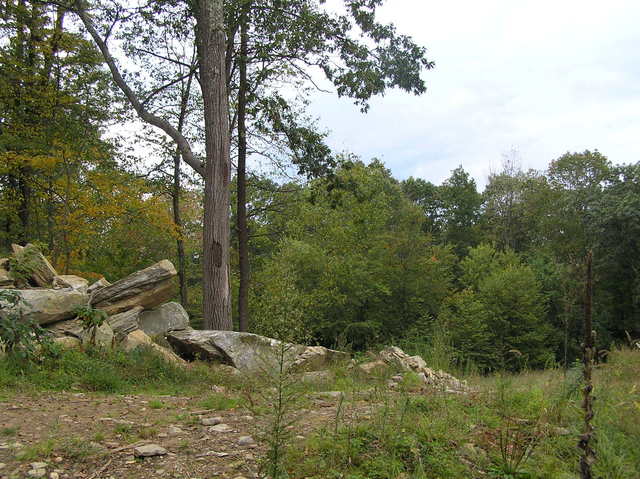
column 156, row 404
column 8, row 431
column 38, row 451
column 219, row 402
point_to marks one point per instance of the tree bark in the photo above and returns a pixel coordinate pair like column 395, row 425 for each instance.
column 241, row 178
column 211, row 53
column 177, row 190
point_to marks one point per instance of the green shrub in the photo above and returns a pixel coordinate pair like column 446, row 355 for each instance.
column 22, row 339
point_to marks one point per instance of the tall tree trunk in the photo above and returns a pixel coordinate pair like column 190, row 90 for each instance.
column 177, row 190
column 24, row 212
column 211, row 52
column 241, row 177
column 177, row 219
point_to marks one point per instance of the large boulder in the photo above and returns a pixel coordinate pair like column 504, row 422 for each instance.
column 249, row 352
column 148, row 288
column 138, row 338
column 124, row 323
column 43, row 272
column 74, row 328
column 165, row 318
column 101, row 283
column 45, row 306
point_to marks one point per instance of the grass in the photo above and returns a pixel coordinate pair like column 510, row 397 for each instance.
column 219, row 402
column 514, row 427
column 108, row 371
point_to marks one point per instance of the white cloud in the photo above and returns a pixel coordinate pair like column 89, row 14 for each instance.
column 544, row 77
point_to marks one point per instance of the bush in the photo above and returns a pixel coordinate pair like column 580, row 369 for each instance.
column 20, row 338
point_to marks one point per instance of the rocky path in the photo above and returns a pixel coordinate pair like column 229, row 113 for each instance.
column 87, row 436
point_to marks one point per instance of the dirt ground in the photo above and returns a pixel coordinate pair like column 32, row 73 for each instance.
column 90, row 436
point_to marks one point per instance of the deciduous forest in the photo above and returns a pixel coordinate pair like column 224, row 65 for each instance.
column 136, row 132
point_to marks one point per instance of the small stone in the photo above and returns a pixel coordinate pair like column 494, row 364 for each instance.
column 221, row 428
column 149, row 450
column 2, row 465
column 38, row 465
column 58, row 460
column 174, row 431
column 163, row 435
column 160, row 472
column 211, row 421
column 54, row 475
column 37, row 473
column 246, row 441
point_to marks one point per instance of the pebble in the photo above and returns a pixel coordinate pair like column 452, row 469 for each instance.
column 221, row 428
column 174, row 431
column 38, row 465
column 37, row 473
column 54, row 475
column 149, row 450
column 246, row 441
column 211, row 421
column 2, row 465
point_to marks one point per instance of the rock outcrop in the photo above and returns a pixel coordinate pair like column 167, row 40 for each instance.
column 159, row 321
column 437, row 379
column 45, row 306
column 43, row 273
column 148, row 288
column 249, row 352
column 126, row 322
column 71, row 281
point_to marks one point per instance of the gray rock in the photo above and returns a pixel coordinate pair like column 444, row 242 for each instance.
column 246, row 441
column 165, row 318
column 103, row 336
column 220, row 428
column 74, row 329
column 124, row 323
column 101, row 283
column 174, row 431
column 43, row 273
column 37, row 473
column 71, row 281
column 68, row 342
column 249, row 352
column 317, row 377
column 373, row 367
column 210, row 421
column 45, row 306
column 148, row 288
column 149, row 450
column 138, row 338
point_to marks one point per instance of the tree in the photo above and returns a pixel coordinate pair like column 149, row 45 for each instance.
column 498, row 320
column 358, row 267
column 461, row 210
column 216, row 170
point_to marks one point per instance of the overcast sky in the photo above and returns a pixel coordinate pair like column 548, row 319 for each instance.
column 543, row 77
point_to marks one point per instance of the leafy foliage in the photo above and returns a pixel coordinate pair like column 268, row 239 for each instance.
column 20, row 338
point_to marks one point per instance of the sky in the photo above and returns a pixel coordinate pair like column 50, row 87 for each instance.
column 539, row 77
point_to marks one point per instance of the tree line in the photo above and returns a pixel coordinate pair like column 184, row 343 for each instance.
column 326, row 247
